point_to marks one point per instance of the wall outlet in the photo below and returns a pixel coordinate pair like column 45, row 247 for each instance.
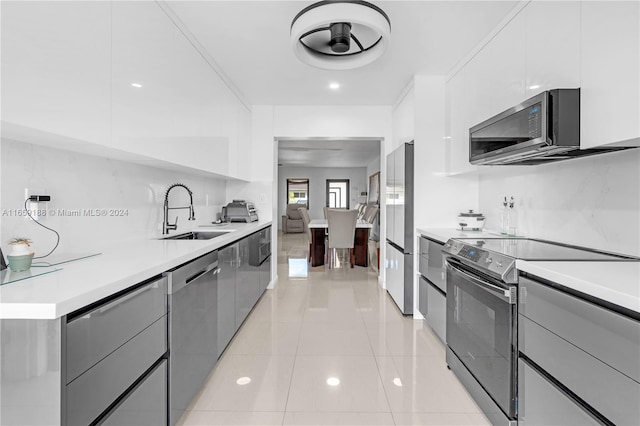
column 37, row 210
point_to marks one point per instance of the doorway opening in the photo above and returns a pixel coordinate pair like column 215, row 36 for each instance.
column 338, row 194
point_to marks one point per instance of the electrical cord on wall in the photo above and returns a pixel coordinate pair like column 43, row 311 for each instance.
column 45, row 227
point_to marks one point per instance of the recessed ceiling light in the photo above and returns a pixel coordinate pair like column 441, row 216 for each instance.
column 334, row 86
column 535, row 86
column 243, row 381
column 397, row 382
column 138, row 85
column 333, row 381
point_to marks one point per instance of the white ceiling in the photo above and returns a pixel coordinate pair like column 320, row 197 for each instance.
column 249, row 40
column 327, row 153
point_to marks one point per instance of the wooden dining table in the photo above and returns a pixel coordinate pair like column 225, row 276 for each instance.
column 360, row 246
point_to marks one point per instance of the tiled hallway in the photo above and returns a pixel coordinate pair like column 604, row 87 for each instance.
column 329, row 347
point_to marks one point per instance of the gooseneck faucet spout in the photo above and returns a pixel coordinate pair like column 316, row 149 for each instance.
column 166, row 226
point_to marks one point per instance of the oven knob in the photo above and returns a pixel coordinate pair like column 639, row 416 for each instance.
column 488, row 260
column 499, row 264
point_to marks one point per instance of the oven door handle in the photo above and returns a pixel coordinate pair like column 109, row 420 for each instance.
column 506, row 294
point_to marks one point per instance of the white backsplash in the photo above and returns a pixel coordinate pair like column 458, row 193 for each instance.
column 77, row 182
column 592, row 201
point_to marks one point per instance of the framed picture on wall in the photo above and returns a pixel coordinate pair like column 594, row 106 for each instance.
column 374, row 188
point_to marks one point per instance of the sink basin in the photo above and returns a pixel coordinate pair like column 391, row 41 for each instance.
column 196, row 235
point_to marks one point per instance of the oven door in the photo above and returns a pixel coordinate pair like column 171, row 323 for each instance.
column 481, row 331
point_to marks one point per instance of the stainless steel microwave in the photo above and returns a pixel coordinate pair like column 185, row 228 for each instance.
column 543, row 128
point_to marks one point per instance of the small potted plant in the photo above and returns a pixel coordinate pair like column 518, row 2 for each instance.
column 21, row 255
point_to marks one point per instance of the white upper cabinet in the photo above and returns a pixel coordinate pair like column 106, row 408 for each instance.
column 552, row 46
column 183, row 113
column 56, row 71
column 457, row 123
column 496, row 74
column 610, row 100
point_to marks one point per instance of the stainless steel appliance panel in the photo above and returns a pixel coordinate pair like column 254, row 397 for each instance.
column 488, row 406
column 612, row 393
column 481, row 329
column 607, row 335
column 193, row 330
column 540, row 402
column 399, row 201
column 93, row 392
column 146, row 405
column 93, row 335
column 399, row 278
column 390, row 196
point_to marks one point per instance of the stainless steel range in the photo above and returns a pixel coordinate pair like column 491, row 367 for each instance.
column 482, row 314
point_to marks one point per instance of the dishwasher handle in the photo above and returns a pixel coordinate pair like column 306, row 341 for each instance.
column 212, row 267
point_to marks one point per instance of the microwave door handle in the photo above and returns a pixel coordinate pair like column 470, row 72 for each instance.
column 503, row 293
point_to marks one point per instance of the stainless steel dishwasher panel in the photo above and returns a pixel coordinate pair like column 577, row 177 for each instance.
column 97, row 332
column 193, row 330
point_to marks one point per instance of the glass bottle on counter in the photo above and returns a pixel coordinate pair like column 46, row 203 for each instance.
column 513, row 219
column 504, row 217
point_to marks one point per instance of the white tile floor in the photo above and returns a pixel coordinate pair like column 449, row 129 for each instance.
column 337, row 326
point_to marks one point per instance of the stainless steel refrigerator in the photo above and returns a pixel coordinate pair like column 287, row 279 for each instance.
column 399, row 247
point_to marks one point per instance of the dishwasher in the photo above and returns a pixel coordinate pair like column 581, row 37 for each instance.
column 193, row 294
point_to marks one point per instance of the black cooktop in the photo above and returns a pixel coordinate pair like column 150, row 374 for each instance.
column 528, row 249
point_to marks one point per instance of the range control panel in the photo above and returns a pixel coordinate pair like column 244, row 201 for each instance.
column 496, row 264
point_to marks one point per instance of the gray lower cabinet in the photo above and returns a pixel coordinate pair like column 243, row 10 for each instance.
column 432, row 300
column 587, row 350
column 103, row 361
column 227, row 264
column 542, row 403
column 145, row 404
column 437, row 311
column 247, row 282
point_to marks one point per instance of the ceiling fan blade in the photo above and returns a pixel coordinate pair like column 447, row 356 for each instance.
column 354, row 38
column 315, row 30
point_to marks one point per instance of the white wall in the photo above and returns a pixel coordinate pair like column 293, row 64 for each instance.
column 318, row 176
column 592, row 201
column 79, row 181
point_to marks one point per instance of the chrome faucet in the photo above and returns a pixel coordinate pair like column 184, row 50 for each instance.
column 166, row 226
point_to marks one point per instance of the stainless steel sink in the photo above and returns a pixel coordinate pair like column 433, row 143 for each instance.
column 196, row 235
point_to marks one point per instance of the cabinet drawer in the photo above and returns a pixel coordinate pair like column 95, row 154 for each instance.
column 146, row 404
column 607, row 335
column 437, row 311
column 607, row 390
column 431, row 262
column 94, row 334
column 542, row 403
column 92, row 392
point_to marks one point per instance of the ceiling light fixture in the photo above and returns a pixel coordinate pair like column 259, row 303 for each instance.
column 334, row 86
column 322, row 34
column 243, row 381
column 138, row 85
column 535, row 86
column 333, row 381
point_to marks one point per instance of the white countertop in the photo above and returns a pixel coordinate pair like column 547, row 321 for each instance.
column 614, row 282
column 443, row 234
column 85, row 281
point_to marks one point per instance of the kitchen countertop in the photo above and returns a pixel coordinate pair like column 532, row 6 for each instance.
column 80, row 283
column 443, row 234
column 614, row 282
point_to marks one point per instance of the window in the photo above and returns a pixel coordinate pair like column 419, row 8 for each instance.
column 298, row 191
column 338, row 193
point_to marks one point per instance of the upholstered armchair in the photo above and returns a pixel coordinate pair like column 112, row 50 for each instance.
column 291, row 220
